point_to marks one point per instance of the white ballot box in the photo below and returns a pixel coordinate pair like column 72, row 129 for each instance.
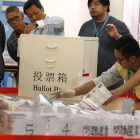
column 51, row 63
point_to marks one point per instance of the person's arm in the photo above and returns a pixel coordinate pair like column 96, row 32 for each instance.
column 74, row 92
column 81, row 31
column 84, row 88
column 113, row 31
column 8, row 106
column 12, row 50
column 52, row 22
column 129, row 85
column 115, row 94
column 108, row 78
column 3, row 38
column 2, row 46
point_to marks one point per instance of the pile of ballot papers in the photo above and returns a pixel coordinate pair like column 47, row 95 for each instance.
column 47, row 116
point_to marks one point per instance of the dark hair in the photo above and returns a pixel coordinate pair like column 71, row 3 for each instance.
column 128, row 46
column 29, row 3
column 11, row 9
column 103, row 2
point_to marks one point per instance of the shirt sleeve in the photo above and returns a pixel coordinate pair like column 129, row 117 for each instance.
column 52, row 22
column 81, row 31
column 123, row 29
column 3, row 38
column 109, row 77
column 12, row 52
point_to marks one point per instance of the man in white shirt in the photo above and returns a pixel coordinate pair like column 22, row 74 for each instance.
column 41, row 23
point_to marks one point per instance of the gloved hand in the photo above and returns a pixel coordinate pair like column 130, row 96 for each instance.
column 63, row 94
column 7, row 106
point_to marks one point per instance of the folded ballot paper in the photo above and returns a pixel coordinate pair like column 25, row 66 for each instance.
column 95, row 98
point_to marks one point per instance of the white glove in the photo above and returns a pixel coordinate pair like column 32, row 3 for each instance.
column 7, row 106
column 64, row 94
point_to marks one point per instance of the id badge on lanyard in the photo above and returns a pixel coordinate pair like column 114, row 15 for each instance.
column 98, row 32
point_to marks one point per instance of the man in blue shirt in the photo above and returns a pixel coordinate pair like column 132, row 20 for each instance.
column 96, row 27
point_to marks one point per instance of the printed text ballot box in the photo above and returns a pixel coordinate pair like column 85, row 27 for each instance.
column 51, row 63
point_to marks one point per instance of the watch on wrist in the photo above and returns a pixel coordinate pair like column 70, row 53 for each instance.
column 35, row 23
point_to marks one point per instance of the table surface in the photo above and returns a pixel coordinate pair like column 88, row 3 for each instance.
column 115, row 105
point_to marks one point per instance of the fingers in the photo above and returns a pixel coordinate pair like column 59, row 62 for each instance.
column 57, row 92
column 110, row 25
column 29, row 28
column 56, row 96
column 3, row 105
column 108, row 30
column 105, row 104
column 64, row 94
column 108, row 101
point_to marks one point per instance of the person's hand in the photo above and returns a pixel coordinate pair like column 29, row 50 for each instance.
column 63, row 94
column 3, row 105
column 114, row 96
column 113, row 31
column 7, row 106
column 29, row 28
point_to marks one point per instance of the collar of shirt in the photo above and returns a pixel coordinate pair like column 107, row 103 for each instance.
column 133, row 71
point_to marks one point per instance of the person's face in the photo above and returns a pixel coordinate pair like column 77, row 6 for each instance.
column 15, row 20
column 123, row 61
column 96, row 9
column 35, row 14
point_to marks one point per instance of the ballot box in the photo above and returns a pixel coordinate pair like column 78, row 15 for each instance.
column 51, row 63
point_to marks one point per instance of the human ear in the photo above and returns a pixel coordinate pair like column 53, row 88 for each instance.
column 22, row 16
column 132, row 58
column 106, row 7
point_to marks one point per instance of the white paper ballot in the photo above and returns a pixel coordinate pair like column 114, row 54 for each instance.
column 95, row 98
column 126, row 105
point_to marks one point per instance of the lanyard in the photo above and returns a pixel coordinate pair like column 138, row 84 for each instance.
column 97, row 32
column 40, row 31
column 128, row 77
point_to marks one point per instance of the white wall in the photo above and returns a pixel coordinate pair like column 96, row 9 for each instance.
column 116, row 8
column 75, row 12
column 131, row 16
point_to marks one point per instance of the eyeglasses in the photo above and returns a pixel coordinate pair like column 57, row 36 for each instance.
column 16, row 18
column 95, row 4
column 120, row 60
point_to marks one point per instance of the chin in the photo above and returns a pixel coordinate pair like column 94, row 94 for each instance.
column 124, row 67
column 94, row 16
column 17, row 29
